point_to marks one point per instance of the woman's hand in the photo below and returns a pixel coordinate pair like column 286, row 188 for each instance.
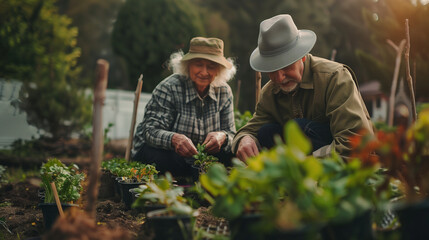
column 183, row 145
column 214, row 141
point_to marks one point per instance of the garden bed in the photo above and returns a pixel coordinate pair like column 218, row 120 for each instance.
column 18, row 208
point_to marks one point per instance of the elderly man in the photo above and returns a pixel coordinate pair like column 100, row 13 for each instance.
column 322, row 96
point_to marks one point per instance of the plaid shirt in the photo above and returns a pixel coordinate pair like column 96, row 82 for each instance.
column 176, row 107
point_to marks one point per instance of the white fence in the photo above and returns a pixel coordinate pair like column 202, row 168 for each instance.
column 118, row 110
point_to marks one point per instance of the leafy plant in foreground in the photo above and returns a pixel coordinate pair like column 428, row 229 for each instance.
column 290, row 188
column 162, row 191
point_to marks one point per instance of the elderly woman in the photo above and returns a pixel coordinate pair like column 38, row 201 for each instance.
column 193, row 105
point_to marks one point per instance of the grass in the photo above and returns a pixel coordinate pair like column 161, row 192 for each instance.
column 15, row 175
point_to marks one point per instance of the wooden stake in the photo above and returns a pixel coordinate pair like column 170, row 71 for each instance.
column 409, row 78
column 398, row 50
column 257, row 87
column 133, row 119
column 333, row 54
column 237, row 94
column 57, row 199
column 97, row 134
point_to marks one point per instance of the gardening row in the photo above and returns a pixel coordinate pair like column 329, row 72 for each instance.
column 283, row 193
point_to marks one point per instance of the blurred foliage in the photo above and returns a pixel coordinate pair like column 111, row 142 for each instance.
column 19, row 174
column 95, row 19
column 241, row 119
column 387, row 21
column 146, row 32
column 40, row 49
column 39, row 46
column 244, row 17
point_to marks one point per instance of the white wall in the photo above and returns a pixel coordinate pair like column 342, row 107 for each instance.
column 118, row 109
column 13, row 123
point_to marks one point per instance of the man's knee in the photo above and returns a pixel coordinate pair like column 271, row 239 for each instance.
column 267, row 132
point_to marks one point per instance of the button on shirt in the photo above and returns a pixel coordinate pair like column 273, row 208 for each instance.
column 176, row 107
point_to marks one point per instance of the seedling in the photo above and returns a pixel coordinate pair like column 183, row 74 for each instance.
column 203, row 160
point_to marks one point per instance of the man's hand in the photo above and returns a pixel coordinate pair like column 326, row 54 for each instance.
column 247, row 148
column 183, row 145
column 214, row 141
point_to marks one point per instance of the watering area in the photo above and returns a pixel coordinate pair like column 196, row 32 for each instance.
column 117, row 110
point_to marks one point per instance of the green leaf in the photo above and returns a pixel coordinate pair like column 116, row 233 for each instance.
column 295, row 138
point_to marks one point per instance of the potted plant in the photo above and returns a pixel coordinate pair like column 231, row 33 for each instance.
column 109, row 169
column 404, row 153
column 137, row 174
column 173, row 220
column 68, row 184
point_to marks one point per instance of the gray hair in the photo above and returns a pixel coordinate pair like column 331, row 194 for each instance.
column 178, row 66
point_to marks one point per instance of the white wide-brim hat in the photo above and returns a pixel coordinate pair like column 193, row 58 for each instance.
column 280, row 44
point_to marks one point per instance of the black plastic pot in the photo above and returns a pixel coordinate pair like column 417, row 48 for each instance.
column 50, row 212
column 359, row 227
column 246, row 227
column 303, row 233
column 169, row 227
column 41, row 195
column 414, row 220
column 195, row 173
column 107, row 188
column 117, row 187
column 127, row 197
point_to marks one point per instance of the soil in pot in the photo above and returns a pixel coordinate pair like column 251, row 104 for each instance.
column 414, row 220
column 50, row 212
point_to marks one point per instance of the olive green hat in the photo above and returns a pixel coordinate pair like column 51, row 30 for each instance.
column 207, row 48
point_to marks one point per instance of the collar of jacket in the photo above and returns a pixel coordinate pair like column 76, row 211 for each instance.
column 191, row 92
column 307, row 80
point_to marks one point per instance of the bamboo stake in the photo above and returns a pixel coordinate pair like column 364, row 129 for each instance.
column 333, row 54
column 57, row 199
column 409, row 78
column 97, row 134
column 257, row 87
column 398, row 50
column 133, row 119
column 237, row 94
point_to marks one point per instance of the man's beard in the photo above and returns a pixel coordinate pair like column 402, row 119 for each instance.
column 288, row 85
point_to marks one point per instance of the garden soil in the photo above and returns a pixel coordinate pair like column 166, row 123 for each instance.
column 24, row 220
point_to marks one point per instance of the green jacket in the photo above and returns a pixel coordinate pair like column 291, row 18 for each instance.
column 328, row 93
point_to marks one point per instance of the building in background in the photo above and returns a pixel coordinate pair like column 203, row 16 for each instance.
column 118, row 110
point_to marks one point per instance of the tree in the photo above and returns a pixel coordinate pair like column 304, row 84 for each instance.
column 41, row 51
column 350, row 34
column 389, row 23
column 146, row 32
column 244, row 17
column 95, row 19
